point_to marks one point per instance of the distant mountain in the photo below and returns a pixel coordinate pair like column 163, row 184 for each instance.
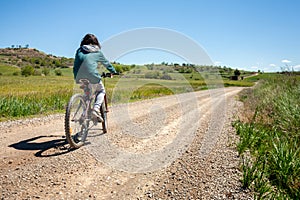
column 21, row 57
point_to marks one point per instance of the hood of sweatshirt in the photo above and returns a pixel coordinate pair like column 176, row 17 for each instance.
column 90, row 48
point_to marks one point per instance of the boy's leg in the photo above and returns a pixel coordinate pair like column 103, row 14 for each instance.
column 99, row 99
column 100, row 90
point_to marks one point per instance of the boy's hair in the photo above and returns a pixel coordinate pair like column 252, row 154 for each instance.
column 90, row 39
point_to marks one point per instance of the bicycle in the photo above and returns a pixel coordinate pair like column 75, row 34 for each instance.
column 78, row 118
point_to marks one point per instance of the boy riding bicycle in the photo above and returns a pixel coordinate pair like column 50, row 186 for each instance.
column 85, row 67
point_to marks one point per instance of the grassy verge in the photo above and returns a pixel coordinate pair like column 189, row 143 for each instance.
column 270, row 138
column 27, row 96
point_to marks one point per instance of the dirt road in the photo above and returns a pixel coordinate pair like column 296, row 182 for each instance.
column 175, row 147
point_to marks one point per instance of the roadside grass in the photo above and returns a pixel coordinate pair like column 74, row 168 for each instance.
column 27, row 96
column 39, row 95
column 269, row 143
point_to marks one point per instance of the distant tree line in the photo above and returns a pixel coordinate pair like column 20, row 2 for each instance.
column 19, row 46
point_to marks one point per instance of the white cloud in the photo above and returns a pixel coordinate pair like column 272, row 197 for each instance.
column 296, row 68
column 286, row 61
column 272, row 65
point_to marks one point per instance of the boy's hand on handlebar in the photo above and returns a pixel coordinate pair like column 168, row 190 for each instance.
column 115, row 73
column 109, row 75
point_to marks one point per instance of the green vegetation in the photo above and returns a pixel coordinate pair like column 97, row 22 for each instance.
column 270, row 137
column 27, row 70
column 6, row 70
column 25, row 96
column 34, row 83
column 125, row 90
column 30, row 84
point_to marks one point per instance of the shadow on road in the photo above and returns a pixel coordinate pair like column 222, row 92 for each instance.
column 47, row 148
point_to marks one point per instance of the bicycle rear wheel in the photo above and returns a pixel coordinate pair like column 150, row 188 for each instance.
column 103, row 112
column 76, row 127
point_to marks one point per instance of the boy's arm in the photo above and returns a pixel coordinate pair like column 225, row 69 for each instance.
column 106, row 63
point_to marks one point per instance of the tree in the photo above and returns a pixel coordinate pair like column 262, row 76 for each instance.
column 57, row 63
column 118, row 68
column 237, row 72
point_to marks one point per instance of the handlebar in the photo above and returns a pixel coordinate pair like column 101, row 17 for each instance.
column 109, row 75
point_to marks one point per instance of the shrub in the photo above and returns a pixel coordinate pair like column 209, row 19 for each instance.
column 37, row 73
column 46, row 71
column 27, row 70
column 118, row 68
column 16, row 74
column 58, row 72
column 152, row 74
column 166, row 77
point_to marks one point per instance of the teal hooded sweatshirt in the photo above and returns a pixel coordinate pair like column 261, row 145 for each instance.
column 86, row 62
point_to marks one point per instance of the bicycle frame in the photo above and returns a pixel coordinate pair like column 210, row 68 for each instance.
column 89, row 97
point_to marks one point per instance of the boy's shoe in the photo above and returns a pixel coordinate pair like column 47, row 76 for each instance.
column 96, row 115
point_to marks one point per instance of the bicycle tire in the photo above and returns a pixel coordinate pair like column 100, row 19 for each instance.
column 104, row 117
column 76, row 128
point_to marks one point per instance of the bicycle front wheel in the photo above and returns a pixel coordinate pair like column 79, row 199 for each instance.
column 76, row 128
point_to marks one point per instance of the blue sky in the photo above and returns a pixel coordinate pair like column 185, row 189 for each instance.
column 244, row 34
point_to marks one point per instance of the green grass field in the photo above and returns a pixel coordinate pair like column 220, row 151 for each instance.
column 39, row 95
column 7, row 70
